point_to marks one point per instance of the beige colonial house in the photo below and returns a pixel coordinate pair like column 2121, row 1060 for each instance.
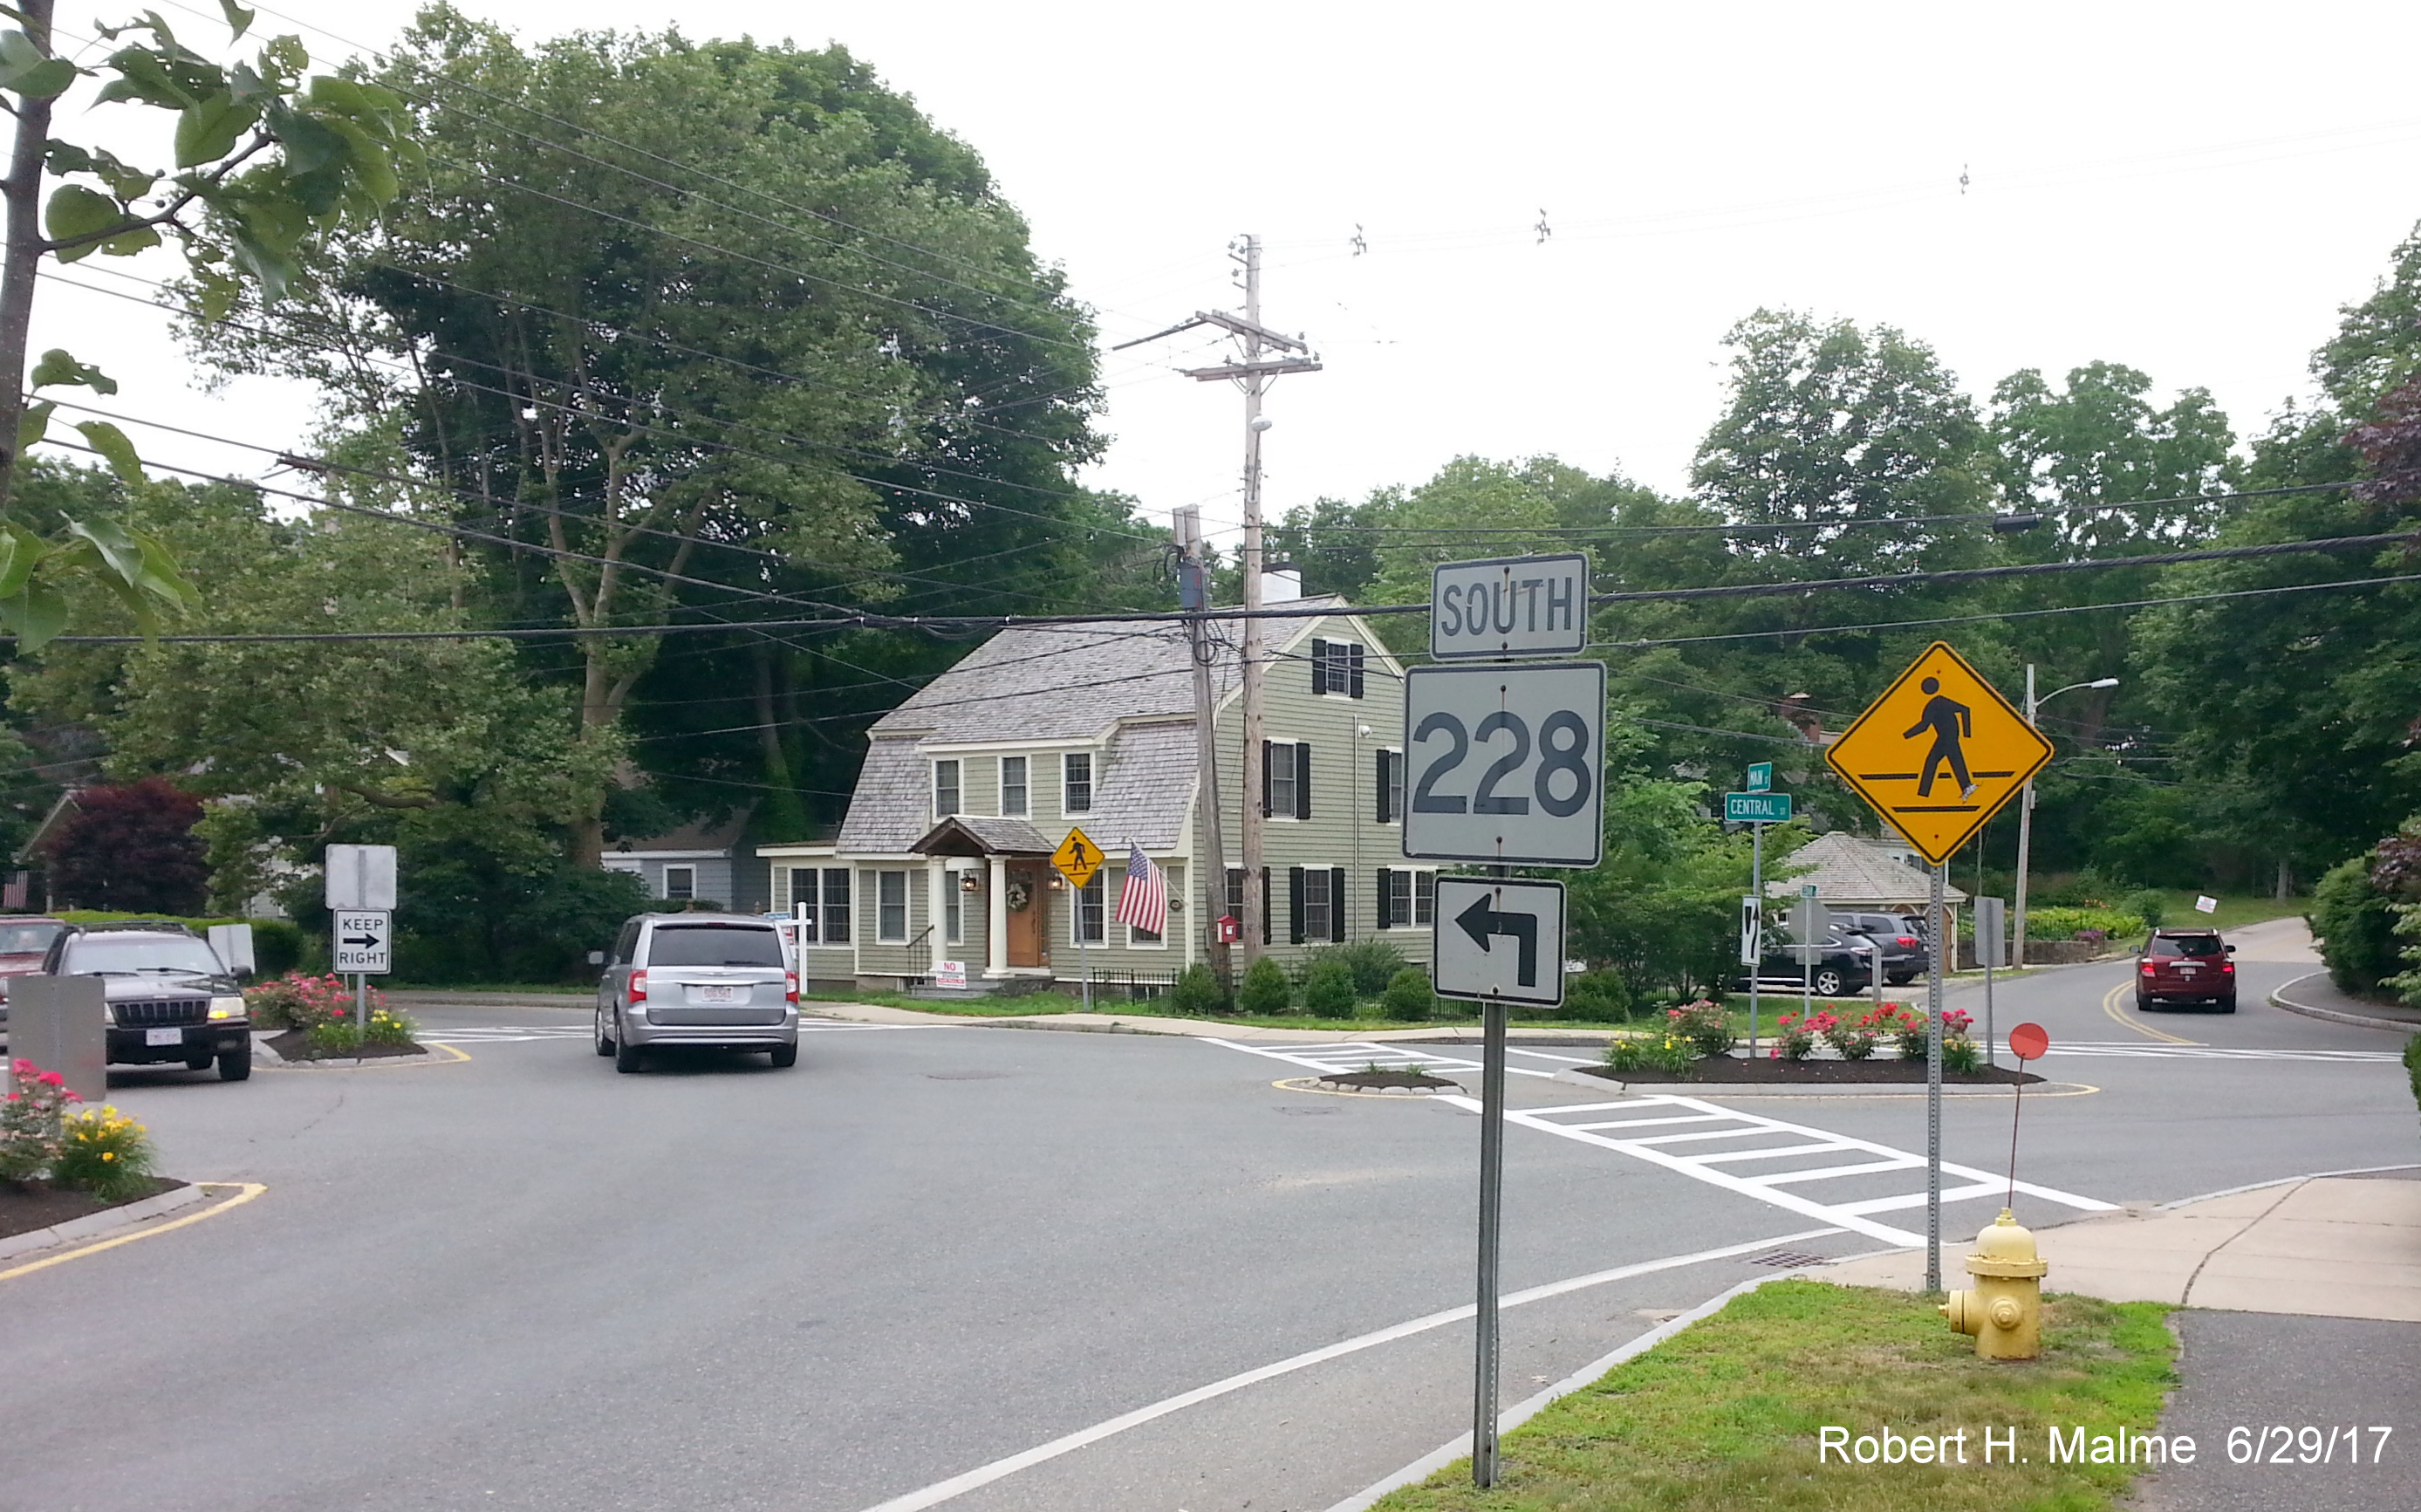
column 970, row 785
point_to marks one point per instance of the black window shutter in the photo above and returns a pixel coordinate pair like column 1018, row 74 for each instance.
column 1380, row 785
column 1386, row 910
column 1319, row 667
column 1294, row 904
column 1265, row 905
column 1265, row 779
column 1336, row 905
column 1354, row 670
column 1303, row 781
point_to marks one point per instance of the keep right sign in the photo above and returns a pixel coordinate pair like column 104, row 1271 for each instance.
column 1939, row 753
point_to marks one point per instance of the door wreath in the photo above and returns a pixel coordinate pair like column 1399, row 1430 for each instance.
column 1017, row 895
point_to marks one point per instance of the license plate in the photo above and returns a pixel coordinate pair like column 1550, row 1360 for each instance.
column 719, row 994
column 164, row 1037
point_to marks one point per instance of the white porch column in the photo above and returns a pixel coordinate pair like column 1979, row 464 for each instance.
column 996, row 918
column 936, row 879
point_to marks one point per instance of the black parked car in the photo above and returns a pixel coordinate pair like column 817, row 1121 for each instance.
column 171, row 997
column 1905, row 958
column 1844, row 966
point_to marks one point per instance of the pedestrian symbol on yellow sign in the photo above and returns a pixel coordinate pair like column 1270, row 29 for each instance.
column 1077, row 858
column 1939, row 753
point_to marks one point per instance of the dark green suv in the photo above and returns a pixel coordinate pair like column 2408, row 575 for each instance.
column 171, row 997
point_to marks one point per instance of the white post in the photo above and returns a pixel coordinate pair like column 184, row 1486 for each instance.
column 937, row 904
column 997, row 919
column 1757, row 890
column 2025, row 835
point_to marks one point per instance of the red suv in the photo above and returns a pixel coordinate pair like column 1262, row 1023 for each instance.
column 2185, row 966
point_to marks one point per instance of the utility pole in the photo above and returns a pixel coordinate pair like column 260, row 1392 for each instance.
column 2025, row 837
column 1210, row 854
column 1252, row 375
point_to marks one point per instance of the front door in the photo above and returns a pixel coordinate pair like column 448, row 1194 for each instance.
column 1028, row 901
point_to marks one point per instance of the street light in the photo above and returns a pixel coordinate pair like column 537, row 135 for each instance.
column 2026, row 807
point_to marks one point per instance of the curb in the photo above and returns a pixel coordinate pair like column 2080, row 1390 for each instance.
column 2278, row 999
column 1521, row 1412
column 102, row 1224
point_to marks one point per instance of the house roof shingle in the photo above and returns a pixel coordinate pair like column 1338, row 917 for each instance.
column 1853, row 871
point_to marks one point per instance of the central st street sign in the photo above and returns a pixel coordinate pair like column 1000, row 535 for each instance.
column 1756, row 808
column 365, row 942
column 1500, row 940
column 1504, row 764
column 1939, row 753
column 1510, row 607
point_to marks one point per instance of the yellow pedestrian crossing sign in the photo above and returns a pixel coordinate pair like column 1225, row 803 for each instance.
column 1939, row 753
column 1077, row 858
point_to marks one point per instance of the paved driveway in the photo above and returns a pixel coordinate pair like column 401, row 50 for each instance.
column 912, row 1270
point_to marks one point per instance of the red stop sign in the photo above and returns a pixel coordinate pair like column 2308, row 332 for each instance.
column 2027, row 1041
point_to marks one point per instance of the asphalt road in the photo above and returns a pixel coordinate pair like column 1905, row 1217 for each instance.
column 523, row 1281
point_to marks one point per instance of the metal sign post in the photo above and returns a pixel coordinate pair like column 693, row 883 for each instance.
column 1077, row 859
column 1507, row 767
column 1933, row 1084
column 1937, row 756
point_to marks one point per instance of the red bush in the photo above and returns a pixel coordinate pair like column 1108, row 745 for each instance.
column 132, row 848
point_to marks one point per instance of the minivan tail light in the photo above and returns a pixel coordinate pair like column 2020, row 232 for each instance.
column 2149, row 969
column 790, row 987
column 2227, row 967
column 639, row 985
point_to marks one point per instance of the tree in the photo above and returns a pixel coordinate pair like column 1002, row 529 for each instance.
column 1830, row 424
column 265, row 160
column 2306, row 703
column 727, row 332
column 130, row 849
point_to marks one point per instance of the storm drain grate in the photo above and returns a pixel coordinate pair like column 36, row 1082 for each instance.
column 1789, row 1259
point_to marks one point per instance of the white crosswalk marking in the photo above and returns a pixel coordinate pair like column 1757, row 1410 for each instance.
column 1698, row 1157
column 2135, row 1048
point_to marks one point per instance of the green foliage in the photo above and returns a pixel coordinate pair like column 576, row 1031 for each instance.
column 268, row 162
column 1372, row 964
column 1663, row 1055
column 2355, row 927
column 104, row 1152
column 2068, row 923
column 1328, row 987
column 1198, row 990
column 1961, row 1056
column 2413, row 1064
column 1265, row 989
column 2149, row 904
column 333, row 1037
column 1661, row 910
column 1599, row 996
column 1408, row 998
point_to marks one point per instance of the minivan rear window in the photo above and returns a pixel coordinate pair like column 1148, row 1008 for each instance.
column 2186, row 945
column 715, row 945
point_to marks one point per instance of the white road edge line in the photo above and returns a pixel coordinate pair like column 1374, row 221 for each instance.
column 1523, row 1412
column 960, row 1484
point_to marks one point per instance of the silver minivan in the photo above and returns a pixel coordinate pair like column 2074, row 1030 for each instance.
column 721, row 981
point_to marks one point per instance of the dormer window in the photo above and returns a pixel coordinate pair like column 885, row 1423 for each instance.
column 1336, row 667
column 1076, row 782
column 945, row 789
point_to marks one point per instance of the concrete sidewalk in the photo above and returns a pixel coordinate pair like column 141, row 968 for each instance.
column 2320, row 1247
column 2316, row 997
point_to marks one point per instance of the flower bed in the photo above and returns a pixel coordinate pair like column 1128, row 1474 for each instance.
column 317, row 1015
column 59, row 1160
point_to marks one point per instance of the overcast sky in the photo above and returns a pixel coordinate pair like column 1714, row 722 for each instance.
column 2192, row 189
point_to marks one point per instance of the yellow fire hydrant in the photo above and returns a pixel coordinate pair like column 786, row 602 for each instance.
column 2004, row 1311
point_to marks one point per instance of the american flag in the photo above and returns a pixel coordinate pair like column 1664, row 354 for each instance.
column 1143, row 902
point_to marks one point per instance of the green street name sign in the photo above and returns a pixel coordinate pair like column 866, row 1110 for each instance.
column 1756, row 808
column 1760, row 777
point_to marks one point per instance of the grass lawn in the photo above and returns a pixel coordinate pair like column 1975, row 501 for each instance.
column 1725, row 1415
column 2234, row 913
column 1057, row 1001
